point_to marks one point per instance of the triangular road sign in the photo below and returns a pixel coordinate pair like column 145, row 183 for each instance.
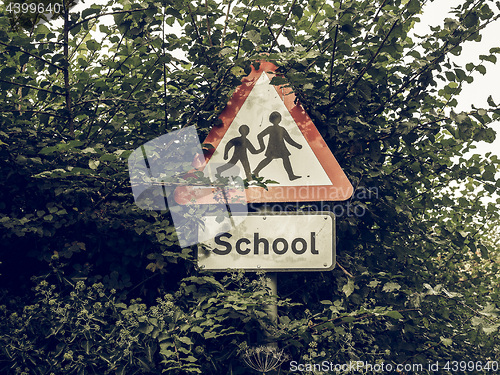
column 266, row 132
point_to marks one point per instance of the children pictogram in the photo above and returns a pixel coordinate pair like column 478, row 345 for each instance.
column 276, row 147
column 241, row 145
column 308, row 171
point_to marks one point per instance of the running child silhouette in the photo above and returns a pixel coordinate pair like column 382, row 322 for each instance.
column 241, row 145
column 276, row 147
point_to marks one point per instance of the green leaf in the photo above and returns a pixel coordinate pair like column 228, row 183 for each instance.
column 89, row 11
column 450, row 76
column 209, row 335
column 93, row 45
column 446, row 342
column 393, row 314
column 86, row 346
column 491, row 329
column 348, row 288
column 391, row 287
column 41, row 95
column 373, row 283
column 145, row 328
column 186, row 340
column 23, row 59
column 93, row 164
column 247, row 45
column 197, row 329
column 297, row 11
column 461, row 75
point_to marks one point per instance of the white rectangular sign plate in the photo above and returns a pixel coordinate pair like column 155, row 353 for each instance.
column 272, row 242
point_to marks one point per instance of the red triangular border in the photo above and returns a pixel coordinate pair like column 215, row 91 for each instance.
column 341, row 189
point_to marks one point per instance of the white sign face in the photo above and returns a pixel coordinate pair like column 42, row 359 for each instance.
column 277, row 242
column 265, row 140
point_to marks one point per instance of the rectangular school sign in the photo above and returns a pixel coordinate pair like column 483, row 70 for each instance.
column 271, row 241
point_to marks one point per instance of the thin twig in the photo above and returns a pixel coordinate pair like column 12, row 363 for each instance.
column 282, row 26
column 208, row 24
column 105, row 14
column 66, row 70
column 32, row 87
column 33, row 111
column 165, row 112
column 345, row 271
column 109, row 100
column 243, row 30
column 269, row 28
column 333, row 56
column 193, row 21
column 357, row 318
column 100, row 201
column 367, row 66
column 32, row 55
column 444, row 51
column 225, row 24
column 116, row 54
column 316, row 15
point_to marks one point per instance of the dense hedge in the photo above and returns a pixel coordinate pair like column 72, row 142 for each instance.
column 92, row 284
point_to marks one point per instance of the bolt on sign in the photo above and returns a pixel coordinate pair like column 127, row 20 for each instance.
column 270, row 242
column 266, row 133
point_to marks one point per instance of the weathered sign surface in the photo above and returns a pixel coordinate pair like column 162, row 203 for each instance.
column 274, row 242
column 265, row 132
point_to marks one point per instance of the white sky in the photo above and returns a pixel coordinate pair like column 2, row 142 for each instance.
column 477, row 92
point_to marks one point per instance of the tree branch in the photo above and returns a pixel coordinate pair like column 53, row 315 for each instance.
column 32, row 87
column 165, row 112
column 243, row 30
column 32, row 55
column 320, row 39
column 357, row 318
column 269, row 28
column 66, row 70
column 316, row 14
column 367, row 66
column 207, row 98
column 105, row 14
column 108, row 100
column 208, row 24
column 444, row 50
column 282, row 26
column 118, row 107
column 193, row 21
column 225, row 24
column 33, row 111
column 345, row 271
column 333, row 57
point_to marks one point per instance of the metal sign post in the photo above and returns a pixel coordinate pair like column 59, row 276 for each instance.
column 272, row 284
column 272, row 309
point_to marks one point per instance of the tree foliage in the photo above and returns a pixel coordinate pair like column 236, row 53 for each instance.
column 417, row 279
